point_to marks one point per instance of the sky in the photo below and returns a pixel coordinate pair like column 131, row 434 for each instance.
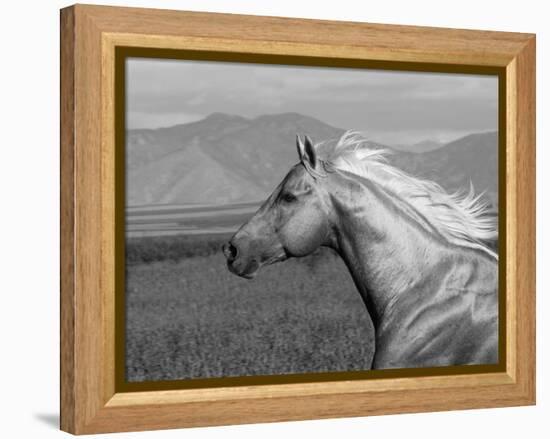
column 389, row 106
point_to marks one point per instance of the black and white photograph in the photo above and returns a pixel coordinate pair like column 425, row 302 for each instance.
column 275, row 219
column 285, row 219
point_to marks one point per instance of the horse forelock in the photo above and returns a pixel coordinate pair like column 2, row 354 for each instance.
column 461, row 217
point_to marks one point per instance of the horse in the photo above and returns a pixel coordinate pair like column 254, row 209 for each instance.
column 417, row 254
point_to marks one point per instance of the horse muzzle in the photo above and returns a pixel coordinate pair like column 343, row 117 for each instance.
column 237, row 263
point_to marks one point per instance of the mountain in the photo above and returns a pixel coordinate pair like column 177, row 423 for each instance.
column 221, row 159
column 471, row 158
column 226, row 159
column 188, row 175
column 422, row 146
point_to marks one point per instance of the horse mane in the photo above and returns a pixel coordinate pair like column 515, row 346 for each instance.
column 460, row 217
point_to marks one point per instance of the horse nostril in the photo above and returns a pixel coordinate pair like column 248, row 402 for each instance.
column 231, row 252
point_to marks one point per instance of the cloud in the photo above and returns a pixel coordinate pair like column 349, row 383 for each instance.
column 372, row 100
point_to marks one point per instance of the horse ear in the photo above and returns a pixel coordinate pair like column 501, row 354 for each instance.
column 309, row 152
column 300, row 147
column 306, row 150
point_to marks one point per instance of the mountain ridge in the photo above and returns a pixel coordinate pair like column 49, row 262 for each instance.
column 226, row 158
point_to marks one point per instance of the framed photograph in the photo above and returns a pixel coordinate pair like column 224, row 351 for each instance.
column 267, row 219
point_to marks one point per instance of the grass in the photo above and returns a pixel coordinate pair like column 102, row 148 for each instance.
column 188, row 317
column 172, row 248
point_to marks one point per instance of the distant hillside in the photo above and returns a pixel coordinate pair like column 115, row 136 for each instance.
column 471, row 158
column 422, row 146
column 220, row 159
column 226, row 159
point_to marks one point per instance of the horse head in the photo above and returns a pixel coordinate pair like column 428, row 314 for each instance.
column 292, row 222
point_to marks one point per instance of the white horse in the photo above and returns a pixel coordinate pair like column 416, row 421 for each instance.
column 416, row 253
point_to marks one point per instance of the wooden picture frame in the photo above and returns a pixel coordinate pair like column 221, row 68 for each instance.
column 91, row 402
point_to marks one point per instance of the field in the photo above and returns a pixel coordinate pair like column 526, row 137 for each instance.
column 188, row 317
column 191, row 219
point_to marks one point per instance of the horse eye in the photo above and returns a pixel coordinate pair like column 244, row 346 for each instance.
column 289, row 198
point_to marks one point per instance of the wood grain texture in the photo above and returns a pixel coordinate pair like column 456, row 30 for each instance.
column 525, row 220
column 67, row 254
column 89, row 35
column 107, row 217
column 375, row 41
column 89, row 309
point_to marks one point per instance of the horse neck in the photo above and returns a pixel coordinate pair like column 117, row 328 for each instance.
column 385, row 250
